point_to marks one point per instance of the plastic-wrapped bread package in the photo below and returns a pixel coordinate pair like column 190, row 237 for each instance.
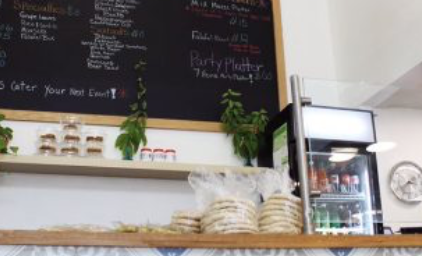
column 281, row 211
column 227, row 200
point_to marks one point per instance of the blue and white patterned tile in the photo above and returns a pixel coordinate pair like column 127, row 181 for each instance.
column 141, row 252
column 340, row 252
column 10, row 250
column 318, row 252
column 398, row 252
column 70, row 251
column 109, row 251
column 256, row 252
column 172, row 251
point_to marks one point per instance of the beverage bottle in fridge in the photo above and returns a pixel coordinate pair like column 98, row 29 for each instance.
column 355, row 184
column 316, row 216
column 324, row 216
column 313, row 177
column 334, row 218
column 357, row 216
column 322, row 178
column 345, row 216
column 345, row 183
column 335, row 182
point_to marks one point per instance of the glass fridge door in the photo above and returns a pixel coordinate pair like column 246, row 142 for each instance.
column 341, row 193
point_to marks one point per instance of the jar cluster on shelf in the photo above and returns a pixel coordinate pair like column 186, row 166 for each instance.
column 70, row 140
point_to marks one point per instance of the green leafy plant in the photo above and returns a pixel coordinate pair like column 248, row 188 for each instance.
column 134, row 127
column 6, row 135
column 247, row 129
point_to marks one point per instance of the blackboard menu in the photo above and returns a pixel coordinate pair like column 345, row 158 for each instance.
column 78, row 56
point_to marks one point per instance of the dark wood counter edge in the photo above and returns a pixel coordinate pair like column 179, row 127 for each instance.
column 42, row 238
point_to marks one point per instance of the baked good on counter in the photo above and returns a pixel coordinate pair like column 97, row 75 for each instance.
column 281, row 214
column 230, row 215
column 186, row 221
column 76, row 228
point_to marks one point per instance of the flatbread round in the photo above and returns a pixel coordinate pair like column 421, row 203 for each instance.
column 279, row 227
column 186, row 222
column 185, row 229
column 240, row 212
column 280, row 224
column 235, row 200
column 287, row 231
column 231, row 227
column 282, row 204
column 274, row 213
column 209, row 219
column 286, row 212
column 286, row 197
column 277, row 219
column 231, row 221
column 239, row 231
column 190, row 215
column 230, row 205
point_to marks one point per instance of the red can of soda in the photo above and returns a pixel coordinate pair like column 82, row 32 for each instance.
column 345, row 179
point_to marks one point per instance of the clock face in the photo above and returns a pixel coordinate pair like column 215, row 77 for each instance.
column 406, row 182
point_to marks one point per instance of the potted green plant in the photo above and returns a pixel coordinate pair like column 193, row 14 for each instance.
column 6, row 135
column 247, row 130
column 134, row 127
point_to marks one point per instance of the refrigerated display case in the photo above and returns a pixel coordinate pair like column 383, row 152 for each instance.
column 343, row 178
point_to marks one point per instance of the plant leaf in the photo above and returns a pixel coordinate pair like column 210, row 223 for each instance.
column 134, row 107
column 2, row 144
column 122, row 141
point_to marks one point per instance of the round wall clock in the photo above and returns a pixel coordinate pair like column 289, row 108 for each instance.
column 406, row 182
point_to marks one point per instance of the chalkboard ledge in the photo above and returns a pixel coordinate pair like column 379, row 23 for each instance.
column 39, row 116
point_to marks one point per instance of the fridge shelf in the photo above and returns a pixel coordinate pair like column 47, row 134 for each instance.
column 323, row 197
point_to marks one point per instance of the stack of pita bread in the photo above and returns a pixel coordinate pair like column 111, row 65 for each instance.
column 230, row 215
column 282, row 214
column 186, row 222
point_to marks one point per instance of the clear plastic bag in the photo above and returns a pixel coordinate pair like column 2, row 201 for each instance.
column 272, row 181
column 228, row 201
column 281, row 211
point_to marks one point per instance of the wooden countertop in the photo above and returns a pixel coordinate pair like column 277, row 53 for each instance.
column 42, row 238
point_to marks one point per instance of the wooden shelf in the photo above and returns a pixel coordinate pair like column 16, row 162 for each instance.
column 105, row 167
column 205, row 241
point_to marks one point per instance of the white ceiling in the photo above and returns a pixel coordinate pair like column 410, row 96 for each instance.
column 405, row 92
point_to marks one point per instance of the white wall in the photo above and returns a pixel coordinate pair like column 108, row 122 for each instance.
column 33, row 201
column 404, row 127
column 375, row 41
column 307, row 39
column 361, row 45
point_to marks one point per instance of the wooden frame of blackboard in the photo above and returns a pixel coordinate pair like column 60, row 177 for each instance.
column 39, row 116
